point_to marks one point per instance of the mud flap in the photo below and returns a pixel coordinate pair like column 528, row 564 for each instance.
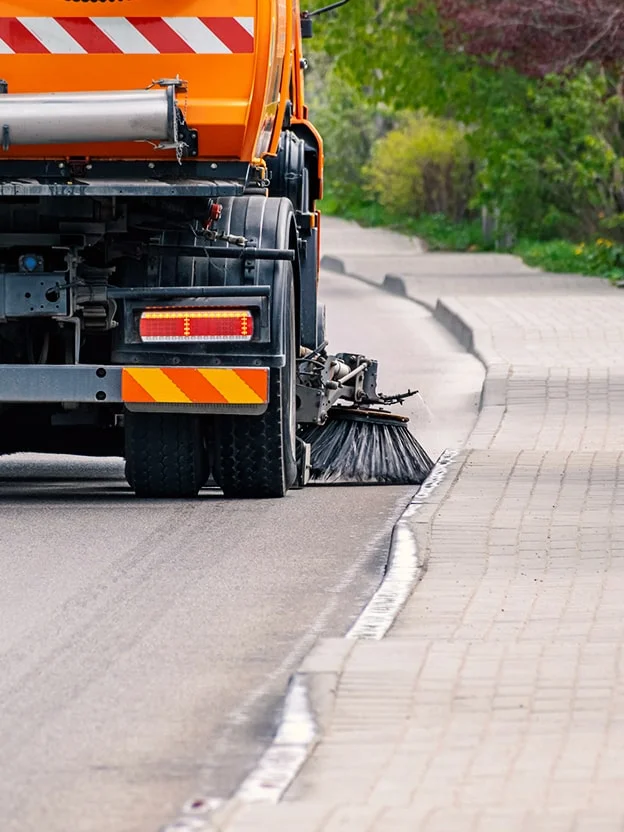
column 304, row 464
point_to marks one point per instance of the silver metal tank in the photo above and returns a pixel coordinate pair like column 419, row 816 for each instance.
column 84, row 117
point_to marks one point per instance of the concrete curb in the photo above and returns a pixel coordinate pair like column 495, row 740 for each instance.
column 454, row 321
column 333, row 264
column 473, row 338
column 313, row 689
column 395, row 285
column 318, row 679
column 457, row 321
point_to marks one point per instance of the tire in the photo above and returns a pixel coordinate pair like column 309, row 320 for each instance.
column 165, row 454
column 255, row 456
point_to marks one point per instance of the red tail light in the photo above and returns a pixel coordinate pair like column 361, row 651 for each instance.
column 196, row 325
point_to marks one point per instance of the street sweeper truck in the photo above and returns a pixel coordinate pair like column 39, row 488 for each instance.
column 159, row 252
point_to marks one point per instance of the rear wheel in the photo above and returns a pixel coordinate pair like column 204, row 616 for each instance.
column 165, row 454
column 255, row 456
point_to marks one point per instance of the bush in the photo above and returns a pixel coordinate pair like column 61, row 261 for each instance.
column 604, row 257
column 553, row 163
column 423, row 167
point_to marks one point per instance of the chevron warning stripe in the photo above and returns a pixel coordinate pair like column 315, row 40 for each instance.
column 126, row 35
column 194, row 385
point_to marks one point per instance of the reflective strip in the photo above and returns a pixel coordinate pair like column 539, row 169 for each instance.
column 230, row 32
column 18, row 38
column 129, row 35
column 88, row 35
column 248, row 24
column 197, row 35
column 192, row 385
column 160, row 35
column 232, row 387
column 125, row 36
column 195, row 385
column 157, row 387
column 259, row 382
column 52, row 35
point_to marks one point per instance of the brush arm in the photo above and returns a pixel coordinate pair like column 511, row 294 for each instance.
column 397, row 398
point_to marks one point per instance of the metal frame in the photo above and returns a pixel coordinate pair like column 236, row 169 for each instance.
column 81, row 177
column 120, row 187
column 81, row 383
column 89, row 384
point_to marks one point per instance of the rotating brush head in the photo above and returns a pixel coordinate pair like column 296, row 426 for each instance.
column 362, row 445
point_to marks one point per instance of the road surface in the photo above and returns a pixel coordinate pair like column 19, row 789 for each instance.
column 145, row 645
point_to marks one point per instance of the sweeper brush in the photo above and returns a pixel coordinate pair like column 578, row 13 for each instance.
column 358, row 445
column 352, row 437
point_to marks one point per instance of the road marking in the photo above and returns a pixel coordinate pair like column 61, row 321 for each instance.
column 195, row 815
column 297, row 733
column 405, row 565
column 280, row 764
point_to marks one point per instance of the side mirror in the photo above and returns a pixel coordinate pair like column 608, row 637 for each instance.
column 307, row 26
column 307, row 29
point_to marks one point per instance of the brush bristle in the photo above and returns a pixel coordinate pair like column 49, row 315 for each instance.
column 345, row 450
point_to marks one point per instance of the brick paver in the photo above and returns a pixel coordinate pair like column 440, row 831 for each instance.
column 497, row 701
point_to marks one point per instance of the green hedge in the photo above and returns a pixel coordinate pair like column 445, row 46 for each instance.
column 423, row 167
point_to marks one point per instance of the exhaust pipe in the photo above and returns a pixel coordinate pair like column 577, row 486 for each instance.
column 86, row 117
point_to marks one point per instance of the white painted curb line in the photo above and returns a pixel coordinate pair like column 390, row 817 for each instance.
column 405, row 566
column 293, row 742
column 298, row 733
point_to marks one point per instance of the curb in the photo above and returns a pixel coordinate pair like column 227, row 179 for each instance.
column 394, row 284
column 457, row 322
column 313, row 689
column 457, row 326
column 493, row 399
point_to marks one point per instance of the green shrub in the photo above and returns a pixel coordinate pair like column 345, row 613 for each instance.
column 604, row 257
column 553, row 162
column 422, row 167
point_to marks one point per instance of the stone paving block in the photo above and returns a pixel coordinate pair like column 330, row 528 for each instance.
column 352, row 819
column 496, row 703
column 328, row 656
column 285, row 817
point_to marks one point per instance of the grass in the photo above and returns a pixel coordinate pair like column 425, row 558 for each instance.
column 600, row 258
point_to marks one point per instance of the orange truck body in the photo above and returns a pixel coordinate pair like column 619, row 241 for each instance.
column 240, row 61
column 159, row 240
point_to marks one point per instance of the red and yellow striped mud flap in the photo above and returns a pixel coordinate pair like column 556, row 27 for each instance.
column 195, row 386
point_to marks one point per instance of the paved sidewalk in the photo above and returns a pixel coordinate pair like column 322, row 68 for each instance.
column 496, row 703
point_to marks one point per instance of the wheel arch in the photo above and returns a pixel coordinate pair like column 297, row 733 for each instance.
column 266, row 222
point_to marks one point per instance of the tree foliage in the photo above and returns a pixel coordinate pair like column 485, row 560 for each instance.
column 549, row 145
column 538, row 37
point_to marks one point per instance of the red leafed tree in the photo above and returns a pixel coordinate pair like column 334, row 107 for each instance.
column 538, row 36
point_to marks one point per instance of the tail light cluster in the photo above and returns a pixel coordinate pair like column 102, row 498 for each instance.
column 196, row 324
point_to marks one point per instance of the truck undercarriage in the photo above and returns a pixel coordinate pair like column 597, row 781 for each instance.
column 159, row 245
column 182, row 328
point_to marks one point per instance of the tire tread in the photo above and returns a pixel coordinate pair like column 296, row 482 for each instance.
column 251, row 452
column 165, row 455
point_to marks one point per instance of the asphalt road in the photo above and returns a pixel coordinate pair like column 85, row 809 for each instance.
column 145, row 645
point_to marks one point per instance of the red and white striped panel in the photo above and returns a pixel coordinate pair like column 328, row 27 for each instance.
column 126, row 35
